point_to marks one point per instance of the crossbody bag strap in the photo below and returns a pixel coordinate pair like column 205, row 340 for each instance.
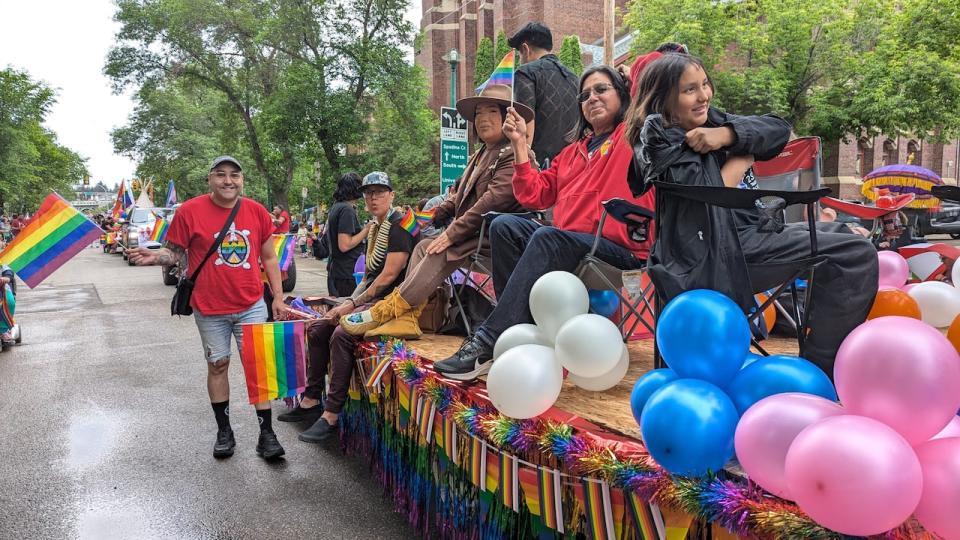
column 219, row 240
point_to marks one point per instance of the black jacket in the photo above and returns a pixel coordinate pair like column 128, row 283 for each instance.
column 550, row 89
column 698, row 246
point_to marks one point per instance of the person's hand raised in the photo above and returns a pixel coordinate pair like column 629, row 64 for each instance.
column 515, row 127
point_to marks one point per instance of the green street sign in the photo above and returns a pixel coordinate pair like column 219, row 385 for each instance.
column 454, row 148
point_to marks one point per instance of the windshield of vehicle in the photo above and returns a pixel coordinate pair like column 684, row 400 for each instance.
column 147, row 215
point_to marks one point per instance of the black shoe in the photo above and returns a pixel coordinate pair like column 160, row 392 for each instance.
column 223, row 448
column 318, row 432
column 268, row 447
column 468, row 363
column 299, row 414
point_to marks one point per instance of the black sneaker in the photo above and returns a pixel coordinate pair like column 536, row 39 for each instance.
column 223, row 448
column 268, row 447
column 299, row 414
column 318, row 432
column 468, row 363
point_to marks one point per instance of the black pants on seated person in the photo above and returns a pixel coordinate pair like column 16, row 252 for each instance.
column 844, row 286
column 523, row 250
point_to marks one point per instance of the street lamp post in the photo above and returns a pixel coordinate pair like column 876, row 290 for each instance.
column 453, row 57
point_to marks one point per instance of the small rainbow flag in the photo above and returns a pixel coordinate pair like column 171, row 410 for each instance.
column 426, row 412
column 55, row 233
column 374, row 380
column 160, row 228
column 492, row 467
column 414, row 220
column 503, row 73
column 446, row 436
column 274, row 360
column 283, row 245
column 406, row 394
column 596, row 503
column 478, row 462
column 7, row 305
column 509, row 482
column 646, row 518
column 551, row 504
column 528, row 486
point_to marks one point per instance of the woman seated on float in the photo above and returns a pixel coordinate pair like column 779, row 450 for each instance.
column 590, row 170
column 673, row 127
column 484, row 187
column 330, row 348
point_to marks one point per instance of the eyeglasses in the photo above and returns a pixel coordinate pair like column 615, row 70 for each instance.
column 223, row 174
column 375, row 194
column 598, row 89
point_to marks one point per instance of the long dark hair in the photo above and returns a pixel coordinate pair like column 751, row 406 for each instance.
column 659, row 89
column 623, row 92
column 348, row 188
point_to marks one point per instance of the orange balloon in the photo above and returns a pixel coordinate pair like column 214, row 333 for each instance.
column 769, row 314
column 953, row 333
column 891, row 302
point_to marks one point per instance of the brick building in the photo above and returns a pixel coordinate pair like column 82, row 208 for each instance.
column 461, row 24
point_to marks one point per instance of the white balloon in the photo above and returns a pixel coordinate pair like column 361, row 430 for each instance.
column 556, row 298
column 939, row 302
column 955, row 275
column 609, row 379
column 589, row 345
column 525, row 381
column 520, row 334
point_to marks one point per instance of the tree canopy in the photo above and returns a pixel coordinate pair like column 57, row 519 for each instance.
column 569, row 54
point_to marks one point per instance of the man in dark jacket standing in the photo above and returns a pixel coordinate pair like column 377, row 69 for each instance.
column 546, row 86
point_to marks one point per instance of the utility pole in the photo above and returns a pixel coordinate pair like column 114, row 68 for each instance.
column 608, row 31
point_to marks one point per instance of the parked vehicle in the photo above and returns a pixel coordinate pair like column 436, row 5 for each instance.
column 139, row 225
column 946, row 220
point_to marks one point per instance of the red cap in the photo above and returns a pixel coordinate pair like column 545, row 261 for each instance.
column 637, row 68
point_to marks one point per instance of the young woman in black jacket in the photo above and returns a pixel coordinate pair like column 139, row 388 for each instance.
column 679, row 138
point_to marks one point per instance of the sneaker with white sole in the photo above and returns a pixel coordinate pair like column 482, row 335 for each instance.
column 472, row 360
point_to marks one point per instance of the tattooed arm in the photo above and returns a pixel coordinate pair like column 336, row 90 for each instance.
column 169, row 255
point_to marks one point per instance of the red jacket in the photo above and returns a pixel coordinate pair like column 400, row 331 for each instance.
column 576, row 185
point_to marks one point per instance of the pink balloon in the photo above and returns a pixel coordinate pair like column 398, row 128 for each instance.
column 854, row 475
column 767, row 429
column 906, row 288
column 952, row 430
column 894, row 269
column 937, row 511
column 902, row 372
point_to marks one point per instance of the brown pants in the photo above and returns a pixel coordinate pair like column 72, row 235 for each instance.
column 331, row 350
column 425, row 273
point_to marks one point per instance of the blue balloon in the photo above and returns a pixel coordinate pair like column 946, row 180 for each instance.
column 777, row 375
column 603, row 302
column 704, row 335
column 751, row 358
column 646, row 386
column 688, row 426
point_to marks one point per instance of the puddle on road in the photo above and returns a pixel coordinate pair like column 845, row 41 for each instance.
column 91, row 438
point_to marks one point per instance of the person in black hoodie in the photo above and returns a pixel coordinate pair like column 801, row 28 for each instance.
column 679, row 138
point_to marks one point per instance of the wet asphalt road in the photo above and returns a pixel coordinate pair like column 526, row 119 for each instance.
column 106, row 430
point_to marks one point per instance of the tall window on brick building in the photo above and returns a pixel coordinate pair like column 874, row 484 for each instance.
column 864, row 157
column 913, row 153
column 889, row 152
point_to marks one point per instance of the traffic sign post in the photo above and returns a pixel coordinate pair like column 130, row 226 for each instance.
column 454, row 147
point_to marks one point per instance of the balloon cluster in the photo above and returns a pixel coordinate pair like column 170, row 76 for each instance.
column 528, row 359
column 891, row 449
column 934, row 302
column 688, row 414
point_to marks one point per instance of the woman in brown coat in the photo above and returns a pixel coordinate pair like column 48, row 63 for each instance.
column 486, row 186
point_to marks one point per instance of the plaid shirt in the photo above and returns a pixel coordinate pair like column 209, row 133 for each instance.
column 550, row 89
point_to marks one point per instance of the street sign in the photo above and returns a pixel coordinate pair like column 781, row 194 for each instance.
column 454, row 148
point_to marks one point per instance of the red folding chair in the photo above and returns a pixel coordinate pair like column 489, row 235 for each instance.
column 796, row 168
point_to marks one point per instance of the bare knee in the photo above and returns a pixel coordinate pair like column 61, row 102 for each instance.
column 218, row 367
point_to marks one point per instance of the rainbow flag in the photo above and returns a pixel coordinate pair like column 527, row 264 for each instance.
column 374, row 380
column 528, row 486
column 548, row 495
column 478, row 462
column 509, row 481
column 492, row 469
column 426, row 412
column 503, row 73
column 171, row 195
column 445, row 434
column 596, row 503
column 283, row 245
column 55, row 233
column 646, row 518
column 406, row 394
column 160, row 228
column 274, row 360
column 7, row 305
column 414, row 220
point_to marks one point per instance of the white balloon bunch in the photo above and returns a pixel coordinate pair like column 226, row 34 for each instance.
column 528, row 360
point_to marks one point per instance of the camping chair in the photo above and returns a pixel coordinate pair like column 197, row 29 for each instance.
column 597, row 274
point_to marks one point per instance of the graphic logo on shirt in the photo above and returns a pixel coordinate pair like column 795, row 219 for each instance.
column 235, row 249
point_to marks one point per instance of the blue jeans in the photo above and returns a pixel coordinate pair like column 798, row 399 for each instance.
column 215, row 330
column 522, row 251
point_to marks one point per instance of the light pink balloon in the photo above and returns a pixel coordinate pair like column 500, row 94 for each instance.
column 894, row 269
column 952, row 430
column 854, row 475
column 902, row 372
column 906, row 288
column 767, row 429
column 939, row 504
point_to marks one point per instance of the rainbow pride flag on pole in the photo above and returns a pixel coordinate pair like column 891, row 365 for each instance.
column 55, row 233
column 414, row 220
column 283, row 245
column 503, row 73
column 171, row 195
column 160, row 228
column 274, row 360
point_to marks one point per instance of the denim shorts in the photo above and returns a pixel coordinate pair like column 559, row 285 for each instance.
column 215, row 330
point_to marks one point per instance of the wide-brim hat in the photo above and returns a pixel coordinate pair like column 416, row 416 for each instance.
column 498, row 94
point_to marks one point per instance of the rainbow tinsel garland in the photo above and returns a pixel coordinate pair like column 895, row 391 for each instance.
column 438, row 497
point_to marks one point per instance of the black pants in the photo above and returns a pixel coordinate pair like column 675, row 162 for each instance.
column 844, row 287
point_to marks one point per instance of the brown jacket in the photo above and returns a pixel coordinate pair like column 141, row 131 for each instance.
column 486, row 186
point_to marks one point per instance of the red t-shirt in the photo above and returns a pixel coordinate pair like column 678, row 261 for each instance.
column 285, row 226
column 230, row 281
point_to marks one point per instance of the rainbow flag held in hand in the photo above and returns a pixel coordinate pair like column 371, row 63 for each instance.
column 283, row 245
column 274, row 360
column 160, row 228
column 415, row 220
column 55, row 233
column 503, row 73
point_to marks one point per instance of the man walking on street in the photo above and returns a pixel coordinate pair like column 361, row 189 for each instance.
column 228, row 291
column 548, row 87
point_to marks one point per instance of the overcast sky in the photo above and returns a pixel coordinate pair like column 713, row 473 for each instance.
column 64, row 43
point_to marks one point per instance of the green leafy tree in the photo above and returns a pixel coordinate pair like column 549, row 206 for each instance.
column 484, row 62
column 569, row 54
column 501, row 49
